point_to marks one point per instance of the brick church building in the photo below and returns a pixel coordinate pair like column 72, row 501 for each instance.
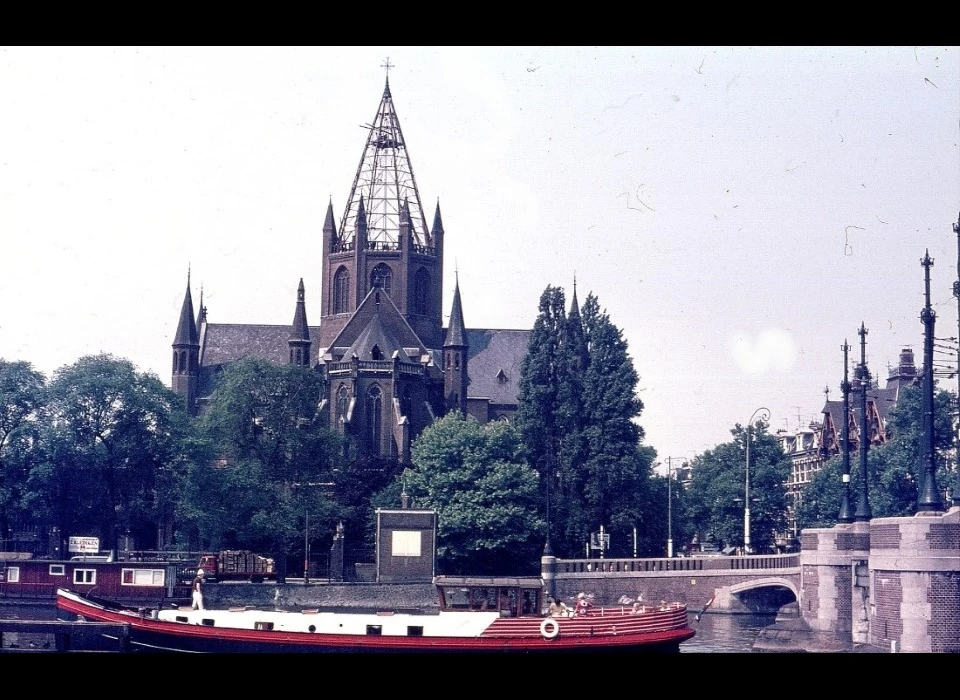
column 390, row 367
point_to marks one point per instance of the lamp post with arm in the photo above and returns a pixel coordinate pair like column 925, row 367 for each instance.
column 764, row 416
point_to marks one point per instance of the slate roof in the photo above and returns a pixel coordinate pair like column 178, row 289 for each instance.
column 494, row 359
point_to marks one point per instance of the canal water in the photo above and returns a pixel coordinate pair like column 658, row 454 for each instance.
column 719, row 633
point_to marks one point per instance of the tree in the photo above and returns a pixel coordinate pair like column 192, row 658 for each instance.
column 112, row 433
column 484, row 493
column 274, row 461
column 718, row 486
column 22, row 398
column 577, row 414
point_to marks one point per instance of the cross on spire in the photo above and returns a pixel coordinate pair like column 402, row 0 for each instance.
column 387, row 66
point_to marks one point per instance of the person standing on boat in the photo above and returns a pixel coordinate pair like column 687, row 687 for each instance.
column 558, row 608
column 583, row 604
column 198, row 590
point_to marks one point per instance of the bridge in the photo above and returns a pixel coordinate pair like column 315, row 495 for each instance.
column 751, row 583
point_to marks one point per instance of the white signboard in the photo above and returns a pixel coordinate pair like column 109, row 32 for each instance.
column 84, row 545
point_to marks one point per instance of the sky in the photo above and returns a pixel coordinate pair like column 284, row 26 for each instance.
column 738, row 211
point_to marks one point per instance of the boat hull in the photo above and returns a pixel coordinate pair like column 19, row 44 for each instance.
column 659, row 632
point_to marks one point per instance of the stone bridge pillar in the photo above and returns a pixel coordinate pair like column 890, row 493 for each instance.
column 914, row 576
column 834, row 587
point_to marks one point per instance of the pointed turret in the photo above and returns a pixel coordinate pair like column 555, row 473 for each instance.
column 300, row 335
column 186, row 353
column 455, row 354
column 360, row 226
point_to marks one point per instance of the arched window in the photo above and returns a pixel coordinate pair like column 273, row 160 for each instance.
column 183, row 361
column 341, row 291
column 382, row 276
column 421, row 292
column 374, row 416
column 376, row 353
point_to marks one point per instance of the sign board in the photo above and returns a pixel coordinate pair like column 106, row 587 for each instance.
column 598, row 541
column 84, row 545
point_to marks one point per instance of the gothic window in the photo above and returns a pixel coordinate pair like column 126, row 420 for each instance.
column 183, row 361
column 374, row 415
column 421, row 292
column 341, row 291
column 456, row 360
column 377, row 353
column 175, row 356
column 382, row 276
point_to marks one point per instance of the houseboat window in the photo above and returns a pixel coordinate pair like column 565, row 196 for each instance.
column 456, row 598
column 57, row 570
column 374, row 630
column 182, row 618
column 406, row 543
column 484, row 599
column 13, row 574
column 414, row 631
column 508, row 602
column 208, row 622
column 263, row 626
column 84, row 575
column 142, row 577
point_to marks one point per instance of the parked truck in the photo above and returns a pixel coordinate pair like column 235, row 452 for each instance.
column 233, row 565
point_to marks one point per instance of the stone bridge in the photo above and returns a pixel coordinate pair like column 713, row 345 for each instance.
column 754, row 583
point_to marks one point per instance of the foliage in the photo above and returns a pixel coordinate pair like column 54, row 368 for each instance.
column 718, row 487
column 112, row 439
column 577, row 414
column 22, row 399
column 274, row 460
column 484, row 494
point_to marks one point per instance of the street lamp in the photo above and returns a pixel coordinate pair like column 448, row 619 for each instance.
column 764, row 416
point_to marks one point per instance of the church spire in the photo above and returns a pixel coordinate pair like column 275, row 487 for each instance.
column 456, row 333
column 385, row 180
column 187, row 326
column 300, row 334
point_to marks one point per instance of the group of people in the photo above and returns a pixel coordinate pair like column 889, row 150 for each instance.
column 560, row 609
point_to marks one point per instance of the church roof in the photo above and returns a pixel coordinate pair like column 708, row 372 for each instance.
column 377, row 321
column 224, row 343
column 493, row 363
column 187, row 327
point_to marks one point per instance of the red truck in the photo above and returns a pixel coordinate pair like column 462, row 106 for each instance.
column 234, row 565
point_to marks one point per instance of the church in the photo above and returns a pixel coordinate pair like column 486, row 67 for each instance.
column 389, row 365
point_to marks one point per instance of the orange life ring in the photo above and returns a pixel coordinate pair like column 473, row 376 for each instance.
column 549, row 628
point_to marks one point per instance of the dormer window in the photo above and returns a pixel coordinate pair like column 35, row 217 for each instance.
column 502, row 377
column 377, row 353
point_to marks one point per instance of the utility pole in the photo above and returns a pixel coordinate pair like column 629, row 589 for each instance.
column 956, row 293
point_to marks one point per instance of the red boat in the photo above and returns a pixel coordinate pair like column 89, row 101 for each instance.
column 474, row 615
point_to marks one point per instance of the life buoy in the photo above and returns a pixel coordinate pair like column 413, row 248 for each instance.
column 549, row 628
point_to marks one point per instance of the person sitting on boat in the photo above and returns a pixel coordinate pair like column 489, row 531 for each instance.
column 558, row 608
column 583, row 604
column 197, row 589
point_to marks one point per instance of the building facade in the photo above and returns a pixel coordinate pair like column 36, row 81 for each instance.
column 390, row 366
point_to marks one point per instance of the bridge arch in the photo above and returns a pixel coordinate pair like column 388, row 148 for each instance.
column 767, row 582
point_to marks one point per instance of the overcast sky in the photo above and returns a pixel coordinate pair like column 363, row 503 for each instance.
column 738, row 211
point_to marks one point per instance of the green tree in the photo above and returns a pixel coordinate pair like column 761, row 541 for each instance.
column 718, row 486
column 22, row 399
column 577, row 414
column 485, row 495
column 274, row 461
column 111, row 435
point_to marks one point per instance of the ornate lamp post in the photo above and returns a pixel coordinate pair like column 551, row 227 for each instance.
column 863, row 513
column 764, row 416
column 846, row 512
column 929, row 499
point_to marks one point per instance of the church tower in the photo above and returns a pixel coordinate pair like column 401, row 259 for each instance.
column 455, row 349
column 300, row 336
column 382, row 239
column 186, row 354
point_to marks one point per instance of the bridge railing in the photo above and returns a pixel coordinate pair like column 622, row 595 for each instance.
column 709, row 563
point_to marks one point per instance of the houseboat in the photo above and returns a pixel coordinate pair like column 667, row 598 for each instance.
column 487, row 614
